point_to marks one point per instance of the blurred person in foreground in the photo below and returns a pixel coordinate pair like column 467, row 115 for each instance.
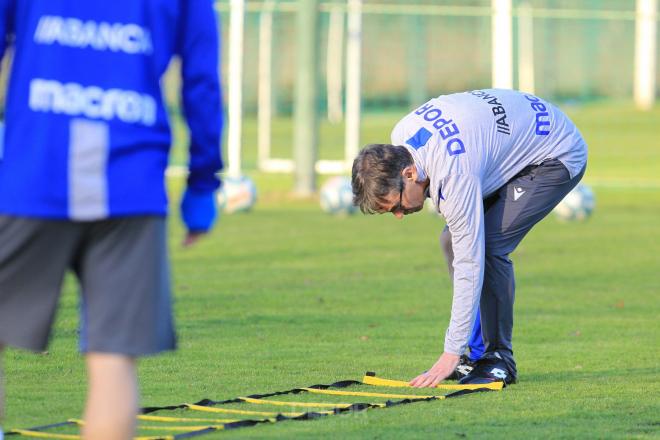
column 82, row 178
column 494, row 163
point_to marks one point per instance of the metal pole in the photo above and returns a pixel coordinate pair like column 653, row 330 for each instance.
column 235, row 86
column 502, row 44
column 525, row 48
column 353, row 78
column 416, row 51
column 305, row 112
column 547, row 72
column 591, row 38
column 334, row 64
column 265, row 90
column 645, row 53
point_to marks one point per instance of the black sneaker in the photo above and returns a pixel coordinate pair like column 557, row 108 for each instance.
column 464, row 367
column 489, row 370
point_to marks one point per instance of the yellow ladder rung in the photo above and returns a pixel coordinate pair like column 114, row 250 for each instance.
column 369, row 394
column 181, row 428
column 372, row 380
column 183, row 419
column 247, row 412
column 294, row 404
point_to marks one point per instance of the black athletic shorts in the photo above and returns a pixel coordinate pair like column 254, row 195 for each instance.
column 123, row 270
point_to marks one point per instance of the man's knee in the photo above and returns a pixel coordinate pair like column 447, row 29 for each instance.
column 497, row 262
column 496, row 254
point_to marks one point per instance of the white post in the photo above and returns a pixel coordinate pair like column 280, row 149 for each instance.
column 502, row 44
column 235, row 85
column 525, row 48
column 334, row 65
column 645, row 53
column 265, row 89
column 353, row 77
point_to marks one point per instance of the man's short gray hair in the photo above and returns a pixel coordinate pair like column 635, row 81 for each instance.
column 376, row 173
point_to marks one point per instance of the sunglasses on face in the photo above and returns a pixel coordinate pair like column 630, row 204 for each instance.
column 398, row 206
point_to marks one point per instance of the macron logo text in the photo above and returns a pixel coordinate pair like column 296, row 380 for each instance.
column 93, row 102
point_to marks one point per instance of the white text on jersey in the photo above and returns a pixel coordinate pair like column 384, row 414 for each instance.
column 446, row 127
column 499, row 112
column 93, row 102
column 73, row 32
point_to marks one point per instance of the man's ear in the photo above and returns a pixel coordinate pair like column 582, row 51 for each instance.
column 410, row 172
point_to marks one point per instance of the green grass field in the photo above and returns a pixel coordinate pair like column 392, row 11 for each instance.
column 288, row 296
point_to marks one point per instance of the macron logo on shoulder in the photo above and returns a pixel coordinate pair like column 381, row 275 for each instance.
column 517, row 192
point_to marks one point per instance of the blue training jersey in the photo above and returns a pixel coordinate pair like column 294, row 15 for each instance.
column 86, row 131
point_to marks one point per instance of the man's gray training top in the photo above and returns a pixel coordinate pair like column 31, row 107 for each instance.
column 469, row 145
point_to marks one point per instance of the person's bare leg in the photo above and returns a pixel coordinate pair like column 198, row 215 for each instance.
column 2, row 392
column 112, row 397
column 445, row 244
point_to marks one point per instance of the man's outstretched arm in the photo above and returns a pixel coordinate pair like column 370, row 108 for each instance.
column 463, row 211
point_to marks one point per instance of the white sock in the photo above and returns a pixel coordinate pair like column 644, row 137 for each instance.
column 1, row 433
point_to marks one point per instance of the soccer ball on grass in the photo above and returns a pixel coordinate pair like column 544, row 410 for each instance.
column 237, row 194
column 577, row 205
column 336, row 196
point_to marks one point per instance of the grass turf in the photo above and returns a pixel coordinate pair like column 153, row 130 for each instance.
column 287, row 296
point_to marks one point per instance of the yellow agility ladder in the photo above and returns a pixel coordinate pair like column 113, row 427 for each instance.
column 240, row 418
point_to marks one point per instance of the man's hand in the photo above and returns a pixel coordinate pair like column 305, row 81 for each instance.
column 192, row 238
column 199, row 213
column 443, row 367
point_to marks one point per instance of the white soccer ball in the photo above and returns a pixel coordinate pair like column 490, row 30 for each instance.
column 237, row 194
column 337, row 196
column 577, row 205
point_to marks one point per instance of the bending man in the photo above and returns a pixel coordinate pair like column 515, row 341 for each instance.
column 494, row 163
